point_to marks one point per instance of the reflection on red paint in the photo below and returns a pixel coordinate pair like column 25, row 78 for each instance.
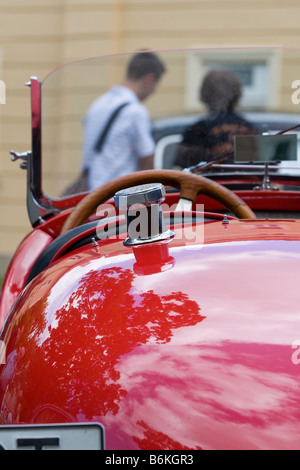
column 155, row 440
column 161, row 361
column 74, row 351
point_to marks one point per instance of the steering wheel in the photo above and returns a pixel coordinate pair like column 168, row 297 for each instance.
column 189, row 185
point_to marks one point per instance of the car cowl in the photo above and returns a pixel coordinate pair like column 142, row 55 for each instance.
column 195, row 353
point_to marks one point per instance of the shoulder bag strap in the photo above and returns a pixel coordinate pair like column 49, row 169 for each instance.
column 102, row 137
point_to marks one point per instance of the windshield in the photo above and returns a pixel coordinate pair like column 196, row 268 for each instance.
column 107, row 116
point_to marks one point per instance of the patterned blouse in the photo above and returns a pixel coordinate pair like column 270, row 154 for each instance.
column 211, row 138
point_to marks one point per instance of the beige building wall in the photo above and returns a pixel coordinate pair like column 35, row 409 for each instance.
column 38, row 35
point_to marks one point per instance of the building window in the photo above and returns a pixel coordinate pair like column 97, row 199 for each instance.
column 254, row 69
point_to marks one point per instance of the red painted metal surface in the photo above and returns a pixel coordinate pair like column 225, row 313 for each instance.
column 26, row 254
column 195, row 353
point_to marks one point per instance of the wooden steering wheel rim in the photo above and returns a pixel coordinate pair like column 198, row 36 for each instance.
column 190, row 186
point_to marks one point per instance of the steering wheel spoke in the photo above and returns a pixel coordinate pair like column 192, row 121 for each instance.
column 184, row 205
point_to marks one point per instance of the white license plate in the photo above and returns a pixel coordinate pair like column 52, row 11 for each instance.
column 73, row 436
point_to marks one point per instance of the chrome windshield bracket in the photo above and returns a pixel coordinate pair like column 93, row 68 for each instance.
column 21, row 156
column 266, row 184
column 39, row 206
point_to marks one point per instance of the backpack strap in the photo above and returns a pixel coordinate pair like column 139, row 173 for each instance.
column 99, row 144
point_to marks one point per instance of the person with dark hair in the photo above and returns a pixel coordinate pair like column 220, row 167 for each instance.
column 213, row 137
column 117, row 128
column 143, row 64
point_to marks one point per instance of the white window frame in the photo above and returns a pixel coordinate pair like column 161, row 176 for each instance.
column 260, row 97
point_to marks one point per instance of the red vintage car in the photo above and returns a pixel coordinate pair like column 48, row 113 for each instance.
column 183, row 334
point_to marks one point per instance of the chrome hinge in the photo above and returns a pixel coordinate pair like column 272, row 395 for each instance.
column 21, row 156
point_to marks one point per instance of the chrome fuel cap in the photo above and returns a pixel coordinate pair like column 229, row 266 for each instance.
column 145, row 221
column 144, row 194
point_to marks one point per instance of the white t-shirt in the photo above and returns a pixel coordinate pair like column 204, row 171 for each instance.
column 128, row 139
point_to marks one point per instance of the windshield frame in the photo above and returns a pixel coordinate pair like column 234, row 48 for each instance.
column 41, row 206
